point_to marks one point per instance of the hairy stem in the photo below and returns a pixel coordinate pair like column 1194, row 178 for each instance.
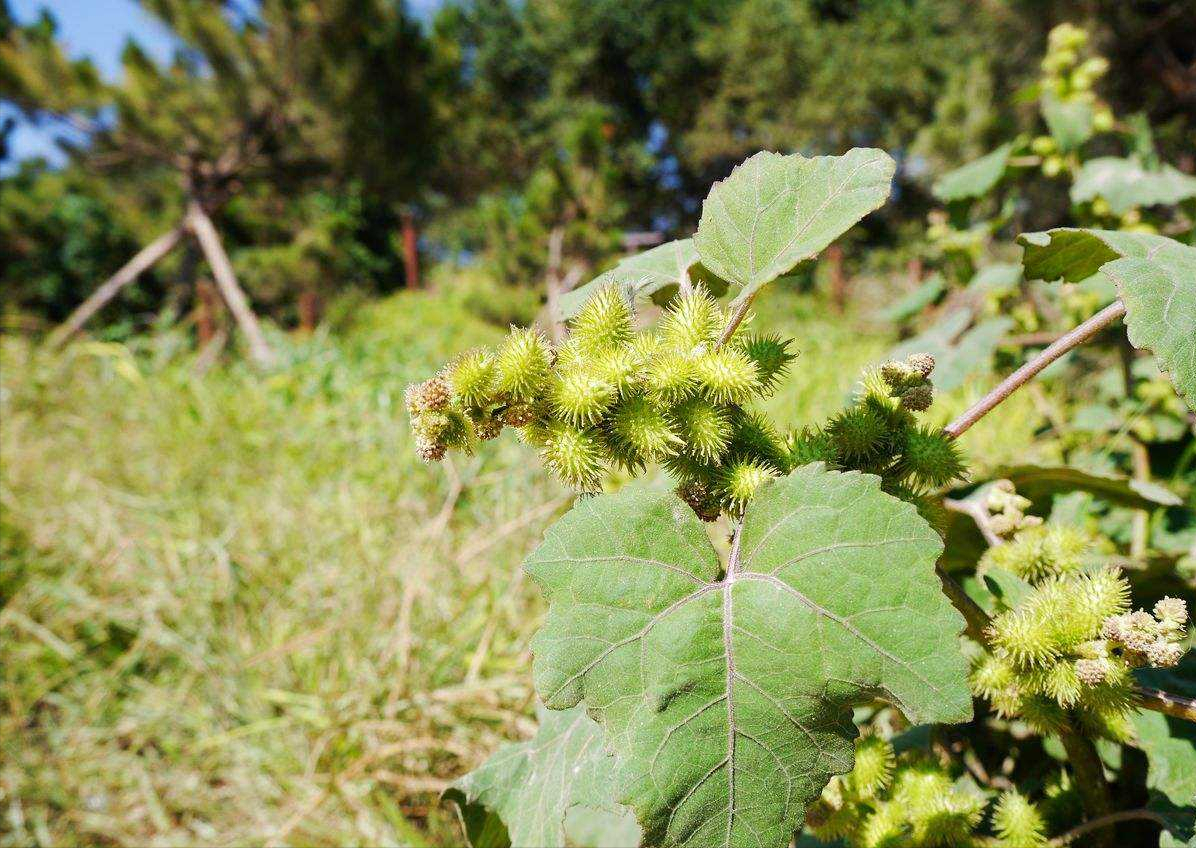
column 975, row 617
column 1105, row 821
column 736, row 319
column 1072, row 339
column 1089, row 773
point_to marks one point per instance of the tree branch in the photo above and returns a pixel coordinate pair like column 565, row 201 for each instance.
column 1105, row 821
column 1072, row 339
column 1167, row 703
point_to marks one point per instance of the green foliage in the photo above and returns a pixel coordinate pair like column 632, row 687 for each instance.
column 738, row 678
column 1154, row 278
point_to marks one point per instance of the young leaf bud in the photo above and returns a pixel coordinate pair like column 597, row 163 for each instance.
column 487, row 428
column 923, row 363
column 897, row 375
column 604, row 323
column 522, row 365
column 1092, row 672
column 1171, row 611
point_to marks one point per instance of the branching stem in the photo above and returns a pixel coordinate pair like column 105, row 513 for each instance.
column 1068, row 341
column 1105, row 821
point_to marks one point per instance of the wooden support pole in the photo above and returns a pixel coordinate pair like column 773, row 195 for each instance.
column 226, row 281
column 145, row 259
column 410, row 249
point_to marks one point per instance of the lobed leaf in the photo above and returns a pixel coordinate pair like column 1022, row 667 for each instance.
column 1170, row 747
column 775, row 211
column 554, row 789
column 1155, row 278
column 1069, row 121
column 725, row 693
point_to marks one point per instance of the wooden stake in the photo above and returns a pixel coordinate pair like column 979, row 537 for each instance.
column 145, row 259
column 410, row 249
column 230, row 290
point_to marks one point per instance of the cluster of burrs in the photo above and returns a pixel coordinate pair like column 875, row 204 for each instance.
column 914, row 800
column 1070, row 77
column 612, row 397
column 879, row 433
column 1067, row 639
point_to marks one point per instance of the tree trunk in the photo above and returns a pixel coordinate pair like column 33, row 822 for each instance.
column 231, row 291
column 142, row 262
column 207, row 308
column 834, row 256
column 309, row 310
column 410, row 250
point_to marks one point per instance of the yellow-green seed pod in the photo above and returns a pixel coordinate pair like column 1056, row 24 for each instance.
column 771, row 356
column 725, row 375
column 670, row 378
column 1017, row 822
column 693, row 320
column 522, row 365
column 580, row 397
column 874, row 763
column 930, row 458
column 742, row 479
column 604, row 323
column 704, row 427
column 472, row 378
column 642, row 427
column 574, row 455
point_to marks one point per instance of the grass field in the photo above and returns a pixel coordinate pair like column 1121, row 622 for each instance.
column 236, row 610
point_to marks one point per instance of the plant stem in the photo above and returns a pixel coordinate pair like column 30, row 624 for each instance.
column 977, row 513
column 1072, row 339
column 1089, row 773
column 1105, row 821
column 736, row 319
column 977, row 619
column 1166, row 703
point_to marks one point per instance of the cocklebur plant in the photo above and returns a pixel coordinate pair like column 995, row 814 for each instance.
column 703, row 695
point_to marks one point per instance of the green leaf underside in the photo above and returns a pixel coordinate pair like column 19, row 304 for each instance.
column 917, row 300
column 1126, row 183
column 646, row 274
column 553, row 789
column 726, row 696
column 1040, row 482
column 775, row 211
column 1155, row 278
column 974, row 179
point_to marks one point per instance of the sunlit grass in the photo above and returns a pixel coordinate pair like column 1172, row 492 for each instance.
column 237, row 609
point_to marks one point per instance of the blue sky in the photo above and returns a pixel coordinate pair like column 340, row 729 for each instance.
column 99, row 29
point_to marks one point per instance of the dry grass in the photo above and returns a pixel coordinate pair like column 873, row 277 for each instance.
column 237, row 611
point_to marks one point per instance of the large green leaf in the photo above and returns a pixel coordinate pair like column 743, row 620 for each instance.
column 917, row 300
column 775, row 211
column 654, row 273
column 725, row 693
column 1126, row 183
column 1155, row 277
column 553, row 789
column 974, row 179
column 1069, row 121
